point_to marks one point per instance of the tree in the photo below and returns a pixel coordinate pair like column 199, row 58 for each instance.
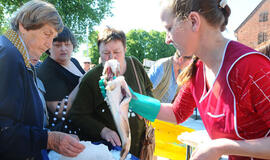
column 76, row 14
column 137, row 43
column 3, row 25
column 93, row 47
column 150, row 45
column 140, row 44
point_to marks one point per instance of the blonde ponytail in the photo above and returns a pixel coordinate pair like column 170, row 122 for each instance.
column 187, row 73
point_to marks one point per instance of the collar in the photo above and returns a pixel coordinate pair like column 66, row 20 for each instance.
column 15, row 39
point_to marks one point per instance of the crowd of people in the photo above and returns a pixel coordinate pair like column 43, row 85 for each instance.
column 54, row 104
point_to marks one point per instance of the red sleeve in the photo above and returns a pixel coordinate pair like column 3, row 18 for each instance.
column 184, row 104
column 250, row 80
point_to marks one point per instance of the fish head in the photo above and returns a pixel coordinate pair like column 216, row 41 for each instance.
column 111, row 69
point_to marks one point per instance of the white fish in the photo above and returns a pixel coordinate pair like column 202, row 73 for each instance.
column 118, row 97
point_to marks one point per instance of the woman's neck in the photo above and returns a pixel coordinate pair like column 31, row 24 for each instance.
column 211, row 52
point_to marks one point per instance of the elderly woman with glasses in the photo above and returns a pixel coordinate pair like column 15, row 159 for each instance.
column 22, row 134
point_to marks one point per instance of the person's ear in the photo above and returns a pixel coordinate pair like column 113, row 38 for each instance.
column 195, row 20
column 22, row 29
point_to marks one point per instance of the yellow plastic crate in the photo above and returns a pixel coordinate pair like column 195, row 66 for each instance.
column 167, row 145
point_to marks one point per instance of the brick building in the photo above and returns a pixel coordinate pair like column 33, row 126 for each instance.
column 254, row 31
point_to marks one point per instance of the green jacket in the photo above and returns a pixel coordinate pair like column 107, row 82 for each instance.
column 91, row 114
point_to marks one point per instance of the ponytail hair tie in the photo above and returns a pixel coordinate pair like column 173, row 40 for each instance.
column 223, row 3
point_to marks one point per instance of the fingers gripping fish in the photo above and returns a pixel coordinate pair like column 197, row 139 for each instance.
column 118, row 97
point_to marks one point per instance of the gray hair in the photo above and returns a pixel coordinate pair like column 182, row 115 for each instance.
column 35, row 14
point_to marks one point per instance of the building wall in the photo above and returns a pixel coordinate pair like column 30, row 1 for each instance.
column 248, row 33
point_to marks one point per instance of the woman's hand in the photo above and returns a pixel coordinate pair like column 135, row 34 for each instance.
column 110, row 136
column 211, row 150
column 65, row 144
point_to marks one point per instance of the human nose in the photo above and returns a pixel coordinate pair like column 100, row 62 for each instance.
column 113, row 56
column 168, row 39
column 48, row 43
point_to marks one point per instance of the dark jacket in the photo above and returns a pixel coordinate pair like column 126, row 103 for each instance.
column 91, row 113
column 21, row 114
column 57, row 80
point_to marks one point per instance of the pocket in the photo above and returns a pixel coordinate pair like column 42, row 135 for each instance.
column 216, row 123
column 215, row 116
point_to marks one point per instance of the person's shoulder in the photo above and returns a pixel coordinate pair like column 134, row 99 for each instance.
column 77, row 64
column 74, row 60
column 162, row 61
column 135, row 60
column 250, row 65
column 9, row 54
column 251, row 61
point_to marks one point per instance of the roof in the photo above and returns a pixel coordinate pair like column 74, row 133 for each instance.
column 250, row 15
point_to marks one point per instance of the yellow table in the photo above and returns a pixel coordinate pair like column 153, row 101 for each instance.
column 167, row 145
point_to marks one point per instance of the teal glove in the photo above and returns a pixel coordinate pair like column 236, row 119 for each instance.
column 145, row 106
column 102, row 87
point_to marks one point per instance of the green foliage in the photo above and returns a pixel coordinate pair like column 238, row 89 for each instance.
column 93, row 48
column 76, row 14
column 3, row 24
column 140, row 44
column 43, row 56
column 150, row 45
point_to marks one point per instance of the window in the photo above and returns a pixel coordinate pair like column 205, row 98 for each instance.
column 262, row 37
column 263, row 17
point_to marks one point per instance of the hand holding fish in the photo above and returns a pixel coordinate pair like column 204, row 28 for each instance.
column 120, row 98
column 145, row 106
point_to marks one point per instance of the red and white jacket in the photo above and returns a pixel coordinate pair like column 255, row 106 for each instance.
column 237, row 105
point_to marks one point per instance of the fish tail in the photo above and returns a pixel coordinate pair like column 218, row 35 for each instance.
column 124, row 151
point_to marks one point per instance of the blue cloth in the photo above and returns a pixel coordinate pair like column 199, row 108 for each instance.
column 156, row 73
column 116, row 148
column 21, row 113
